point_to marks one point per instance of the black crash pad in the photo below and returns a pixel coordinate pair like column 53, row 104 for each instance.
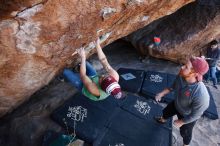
column 131, row 80
column 155, row 82
column 211, row 112
column 209, row 2
column 125, row 128
column 143, row 108
column 90, row 116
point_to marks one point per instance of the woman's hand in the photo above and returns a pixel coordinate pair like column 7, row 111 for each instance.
column 97, row 43
column 81, row 52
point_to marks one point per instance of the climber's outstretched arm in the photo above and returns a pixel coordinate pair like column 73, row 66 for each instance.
column 87, row 82
column 104, row 61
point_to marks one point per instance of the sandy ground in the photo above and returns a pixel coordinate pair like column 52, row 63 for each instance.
column 120, row 54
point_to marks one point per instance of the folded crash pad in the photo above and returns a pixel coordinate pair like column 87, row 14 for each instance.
column 131, row 80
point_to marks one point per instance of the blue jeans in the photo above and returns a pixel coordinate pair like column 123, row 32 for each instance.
column 212, row 74
column 74, row 78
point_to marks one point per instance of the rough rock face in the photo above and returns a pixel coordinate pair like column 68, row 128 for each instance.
column 184, row 33
column 37, row 37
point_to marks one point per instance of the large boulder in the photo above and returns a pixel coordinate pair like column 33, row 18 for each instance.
column 184, row 33
column 37, row 37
